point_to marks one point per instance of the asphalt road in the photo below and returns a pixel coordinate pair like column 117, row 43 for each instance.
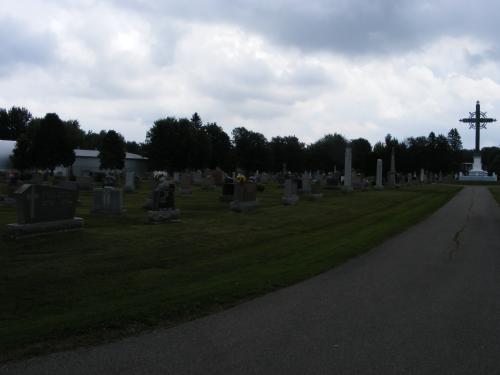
column 425, row 302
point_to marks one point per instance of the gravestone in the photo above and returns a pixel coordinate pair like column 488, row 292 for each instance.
column 378, row 180
column 306, row 184
column 331, row 181
column 130, row 182
column 44, row 209
column 218, row 176
column 290, row 196
column 316, row 190
column 185, row 184
column 207, row 183
column 108, row 201
column 348, row 169
column 391, row 175
column 110, row 180
column 163, row 204
column 227, row 192
column 245, row 197
column 196, row 178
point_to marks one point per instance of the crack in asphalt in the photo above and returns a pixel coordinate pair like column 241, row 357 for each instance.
column 458, row 233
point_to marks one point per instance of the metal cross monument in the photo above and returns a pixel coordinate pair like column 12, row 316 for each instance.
column 477, row 120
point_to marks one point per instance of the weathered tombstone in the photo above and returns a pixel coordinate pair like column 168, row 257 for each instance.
column 245, row 197
column 163, row 204
column 290, row 196
column 218, row 176
column 207, row 183
column 409, row 178
column 348, row 169
column 264, row 178
column 109, row 180
column 108, row 201
column 391, row 175
column 331, row 181
column 378, row 181
column 44, row 209
column 227, row 192
column 316, row 190
column 196, row 178
column 185, row 184
column 130, row 182
column 358, row 181
column 306, row 184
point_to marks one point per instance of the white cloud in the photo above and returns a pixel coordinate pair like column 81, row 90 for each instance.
column 286, row 67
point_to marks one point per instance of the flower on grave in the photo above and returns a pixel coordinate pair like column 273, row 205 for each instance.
column 158, row 175
column 241, row 179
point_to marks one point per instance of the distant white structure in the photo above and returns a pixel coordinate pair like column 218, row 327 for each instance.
column 6, row 148
column 86, row 161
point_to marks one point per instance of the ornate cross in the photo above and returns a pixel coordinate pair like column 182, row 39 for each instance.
column 477, row 120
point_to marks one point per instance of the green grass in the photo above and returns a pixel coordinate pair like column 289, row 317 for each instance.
column 120, row 276
column 495, row 191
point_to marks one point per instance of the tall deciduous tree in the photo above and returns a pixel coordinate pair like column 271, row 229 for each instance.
column 287, row 150
column 52, row 145
column 176, row 145
column 221, row 147
column 13, row 123
column 251, row 149
column 112, row 151
column 327, row 153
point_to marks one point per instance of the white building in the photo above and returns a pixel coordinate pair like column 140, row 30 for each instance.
column 86, row 161
column 6, row 148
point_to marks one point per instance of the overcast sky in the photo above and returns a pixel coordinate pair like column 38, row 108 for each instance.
column 362, row 68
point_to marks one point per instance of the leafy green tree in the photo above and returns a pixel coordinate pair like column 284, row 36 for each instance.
column 22, row 155
column 455, row 142
column 93, row 141
column 133, row 147
column 176, row 145
column 196, row 120
column 494, row 165
column 251, row 149
column 327, row 153
column 361, row 160
column 52, row 144
column 488, row 155
column 112, row 151
column 287, row 150
column 13, row 123
column 221, row 150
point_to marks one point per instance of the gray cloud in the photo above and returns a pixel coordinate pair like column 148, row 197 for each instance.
column 349, row 26
column 19, row 45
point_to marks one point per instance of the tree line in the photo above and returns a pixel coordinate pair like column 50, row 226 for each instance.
column 176, row 144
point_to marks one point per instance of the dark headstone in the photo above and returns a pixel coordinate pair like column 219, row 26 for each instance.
column 245, row 197
column 43, row 209
column 108, row 201
column 227, row 192
column 163, row 204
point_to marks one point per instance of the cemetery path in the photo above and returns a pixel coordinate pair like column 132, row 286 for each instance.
column 424, row 302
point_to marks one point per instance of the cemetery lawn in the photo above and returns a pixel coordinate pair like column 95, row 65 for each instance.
column 495, row 191
column 120, row 276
